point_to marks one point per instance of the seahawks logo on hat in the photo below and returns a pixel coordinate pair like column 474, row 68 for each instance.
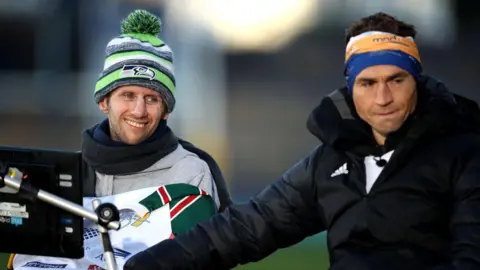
column 137, row 70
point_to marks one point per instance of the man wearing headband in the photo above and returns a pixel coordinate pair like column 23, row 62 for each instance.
column 395, row 182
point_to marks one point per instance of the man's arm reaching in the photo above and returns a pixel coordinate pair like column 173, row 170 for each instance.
column 281, row 215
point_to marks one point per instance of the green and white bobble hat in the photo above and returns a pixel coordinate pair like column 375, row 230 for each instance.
column 139, row 57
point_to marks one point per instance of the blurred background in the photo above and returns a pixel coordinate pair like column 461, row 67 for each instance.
column 248, row 74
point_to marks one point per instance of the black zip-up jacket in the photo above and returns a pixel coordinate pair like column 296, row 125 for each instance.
column 423, row 212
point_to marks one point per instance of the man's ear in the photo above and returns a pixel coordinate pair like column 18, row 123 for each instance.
column 165, row 116
column 103, row 105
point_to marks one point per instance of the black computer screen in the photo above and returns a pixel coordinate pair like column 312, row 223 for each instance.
column 32, row 226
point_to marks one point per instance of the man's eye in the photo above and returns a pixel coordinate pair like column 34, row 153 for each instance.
column 366, row 84
column 152, row 99
column 128, row 95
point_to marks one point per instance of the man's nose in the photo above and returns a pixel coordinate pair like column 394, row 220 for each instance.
column 384, row 95
column 140, row 109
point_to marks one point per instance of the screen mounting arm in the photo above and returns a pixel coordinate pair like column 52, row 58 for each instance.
column 106, row 215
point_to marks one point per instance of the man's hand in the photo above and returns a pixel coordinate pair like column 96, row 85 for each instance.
column 146, row 260
column 142, row 260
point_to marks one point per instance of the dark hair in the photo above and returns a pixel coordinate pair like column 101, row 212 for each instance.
column 380, row 22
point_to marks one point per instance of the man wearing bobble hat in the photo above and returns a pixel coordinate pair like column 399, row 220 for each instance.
column 136, row 90
column 134, row 149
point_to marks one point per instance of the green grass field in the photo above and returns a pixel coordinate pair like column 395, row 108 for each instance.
column 298, row 257
column 3, row 260
column 310, row 254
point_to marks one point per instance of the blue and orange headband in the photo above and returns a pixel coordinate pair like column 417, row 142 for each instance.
column 380, row 48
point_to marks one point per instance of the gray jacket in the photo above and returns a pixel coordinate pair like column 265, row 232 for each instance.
column 180, row 166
